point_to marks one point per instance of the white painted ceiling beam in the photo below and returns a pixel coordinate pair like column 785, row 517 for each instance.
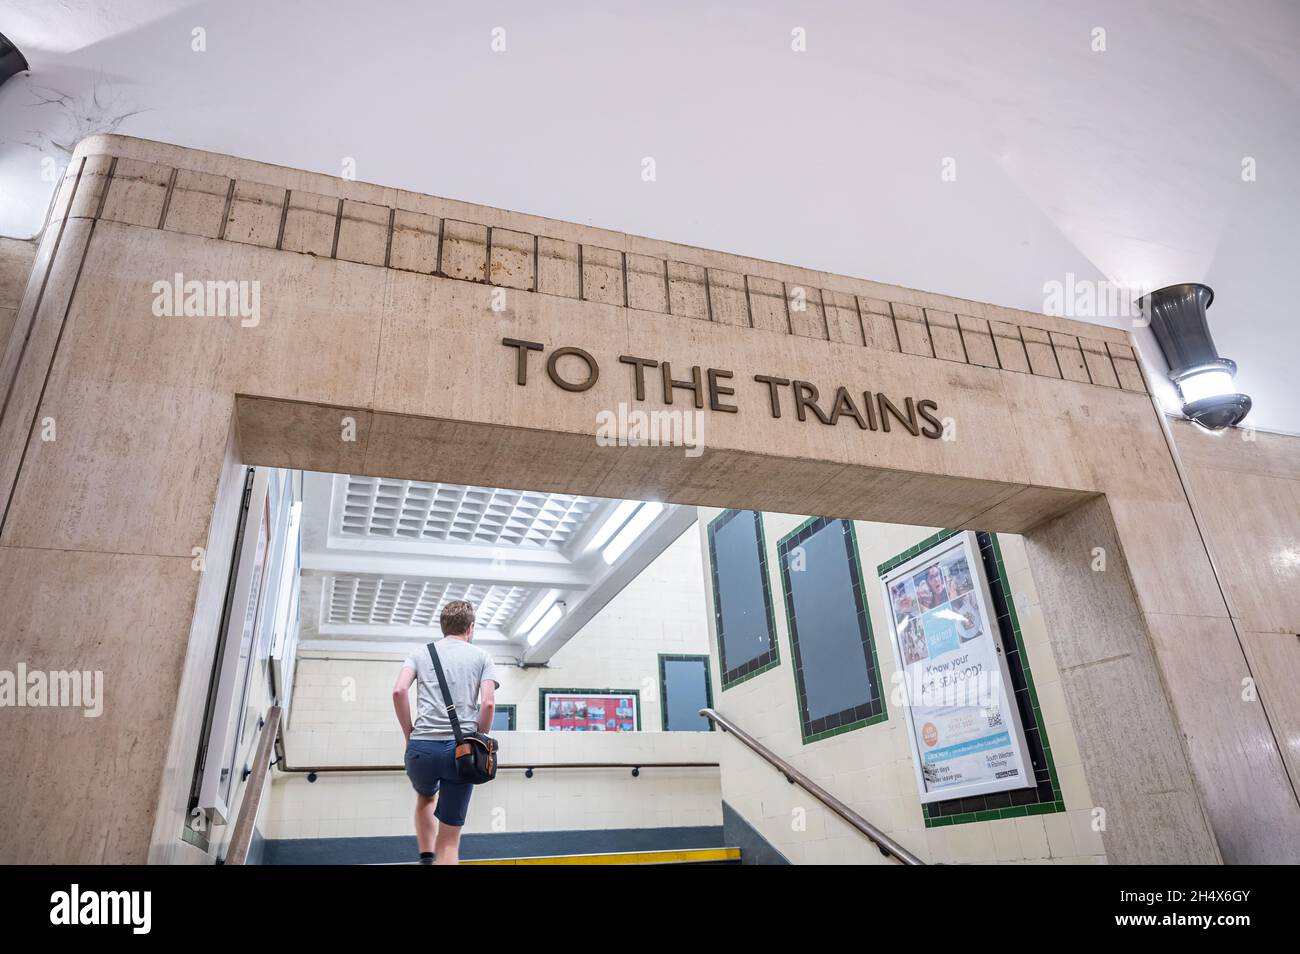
column 380, row 556
column 667, row 527
column 509, row 571
column 399, row 633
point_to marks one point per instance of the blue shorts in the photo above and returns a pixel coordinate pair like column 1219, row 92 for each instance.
column 431, row 767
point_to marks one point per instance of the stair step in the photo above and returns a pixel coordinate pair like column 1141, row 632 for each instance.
column 676, row 856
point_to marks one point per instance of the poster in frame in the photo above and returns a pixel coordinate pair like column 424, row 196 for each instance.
column 590, row 710
column 963, row 725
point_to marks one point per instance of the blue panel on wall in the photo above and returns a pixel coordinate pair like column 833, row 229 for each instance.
column 742, row 595
column 830, row 635
column 684, row 682
column 836, row 674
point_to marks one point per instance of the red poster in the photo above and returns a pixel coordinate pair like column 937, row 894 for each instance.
column 591, row 712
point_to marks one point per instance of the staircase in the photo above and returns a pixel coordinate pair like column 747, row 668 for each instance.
column 681, row 856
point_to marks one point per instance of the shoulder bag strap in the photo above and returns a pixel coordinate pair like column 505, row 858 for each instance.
column 446, row 696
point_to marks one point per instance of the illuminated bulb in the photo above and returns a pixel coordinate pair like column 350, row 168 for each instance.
column 1205, row 384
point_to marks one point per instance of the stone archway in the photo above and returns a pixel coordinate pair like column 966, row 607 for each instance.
column 376, row 348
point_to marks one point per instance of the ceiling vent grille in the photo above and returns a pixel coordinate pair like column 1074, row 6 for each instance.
column 411, row 510
column 402, row 601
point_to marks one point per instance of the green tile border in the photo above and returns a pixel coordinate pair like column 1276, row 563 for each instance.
column 915, row 550
column 771, row 658
column 541, row 702
column 750, row 675
column 853, row 554
column 1057, row 804
column 663, row 688
column 1014, row 618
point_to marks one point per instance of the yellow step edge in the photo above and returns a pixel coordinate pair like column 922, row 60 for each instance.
column 675, row 856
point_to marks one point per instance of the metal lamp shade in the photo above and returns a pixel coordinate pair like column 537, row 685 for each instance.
column 11, row 59
column 1177, row 316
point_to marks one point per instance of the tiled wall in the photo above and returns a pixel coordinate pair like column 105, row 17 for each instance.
column 557, row 800
column 870, row 768
column 342, row 714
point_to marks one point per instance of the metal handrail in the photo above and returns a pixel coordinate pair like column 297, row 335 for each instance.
column 241, row 838
column 311, row 771
column 527, row 767
column 888, row 847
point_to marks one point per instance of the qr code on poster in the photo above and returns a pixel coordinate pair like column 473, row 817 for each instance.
column 994, row 717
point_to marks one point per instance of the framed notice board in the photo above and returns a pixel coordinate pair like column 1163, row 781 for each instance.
column 963, row 726
column 590, row 710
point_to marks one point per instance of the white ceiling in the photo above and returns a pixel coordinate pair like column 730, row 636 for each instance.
column 408, row 548
column 380, row 558
column 1122, row 165
column 354, row 598
column 371, row 507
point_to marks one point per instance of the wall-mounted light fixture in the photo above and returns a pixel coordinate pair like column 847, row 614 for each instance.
column 1203, row 379
column 11, row 59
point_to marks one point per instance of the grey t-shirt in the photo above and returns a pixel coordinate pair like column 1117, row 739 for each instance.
column 466, row 668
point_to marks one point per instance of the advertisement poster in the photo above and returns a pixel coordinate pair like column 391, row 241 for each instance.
column 590, row 712
column 965, row 729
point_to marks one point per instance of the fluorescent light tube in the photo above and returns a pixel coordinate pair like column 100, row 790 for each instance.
column 546, row 624
column 631, row 530
column 538, row 612
column 615, row 520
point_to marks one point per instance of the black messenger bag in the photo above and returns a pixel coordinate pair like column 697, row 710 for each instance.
column 476, row 753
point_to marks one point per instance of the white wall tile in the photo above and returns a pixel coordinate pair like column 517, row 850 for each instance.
column 871, row 768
